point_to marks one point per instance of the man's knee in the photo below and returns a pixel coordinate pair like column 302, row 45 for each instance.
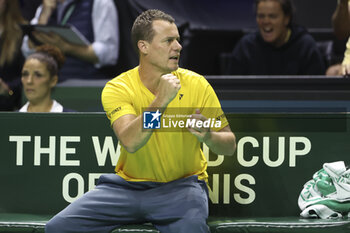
column 55, row 225
column 50, row 227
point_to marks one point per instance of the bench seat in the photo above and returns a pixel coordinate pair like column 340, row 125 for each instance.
column 36, row 224
column 278, row 225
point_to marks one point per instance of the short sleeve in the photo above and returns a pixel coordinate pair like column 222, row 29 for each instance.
column 211, row 108
column 117, row 101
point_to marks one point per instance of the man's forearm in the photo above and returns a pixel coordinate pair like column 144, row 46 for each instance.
column 221, row 143
column 132, row 135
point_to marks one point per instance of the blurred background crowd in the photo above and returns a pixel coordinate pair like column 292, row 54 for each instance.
column 241, row 37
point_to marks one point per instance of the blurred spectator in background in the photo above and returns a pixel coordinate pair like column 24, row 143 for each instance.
column 279, row 47
column 341, row 27
column 341, row 20
column 28, row 8
column 39, row 77
column 11, row 59
column 96, row 20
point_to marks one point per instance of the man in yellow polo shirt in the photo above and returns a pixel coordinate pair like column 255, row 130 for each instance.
column 168, row 155
column 160, row 114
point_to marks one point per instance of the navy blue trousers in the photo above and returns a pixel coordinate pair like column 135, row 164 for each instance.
column 180, row 206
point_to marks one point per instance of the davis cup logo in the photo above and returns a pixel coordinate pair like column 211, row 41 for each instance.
column 151, row 120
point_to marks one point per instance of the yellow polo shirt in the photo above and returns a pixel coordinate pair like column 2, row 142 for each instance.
column 171, row 152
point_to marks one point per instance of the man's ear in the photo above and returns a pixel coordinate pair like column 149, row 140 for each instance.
column 143, row 46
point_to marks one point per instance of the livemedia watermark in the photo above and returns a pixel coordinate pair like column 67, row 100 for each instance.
column 179, row 119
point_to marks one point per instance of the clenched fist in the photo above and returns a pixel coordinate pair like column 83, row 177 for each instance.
column 168, row 87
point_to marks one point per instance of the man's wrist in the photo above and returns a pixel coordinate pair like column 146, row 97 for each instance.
column 207, row 138
column 159, row 103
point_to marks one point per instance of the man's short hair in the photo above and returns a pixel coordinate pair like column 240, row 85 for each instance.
column 143, row 27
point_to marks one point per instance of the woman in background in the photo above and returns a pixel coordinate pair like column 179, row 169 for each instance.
column 278, row 47
column 39, row 77
column 11, row 59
